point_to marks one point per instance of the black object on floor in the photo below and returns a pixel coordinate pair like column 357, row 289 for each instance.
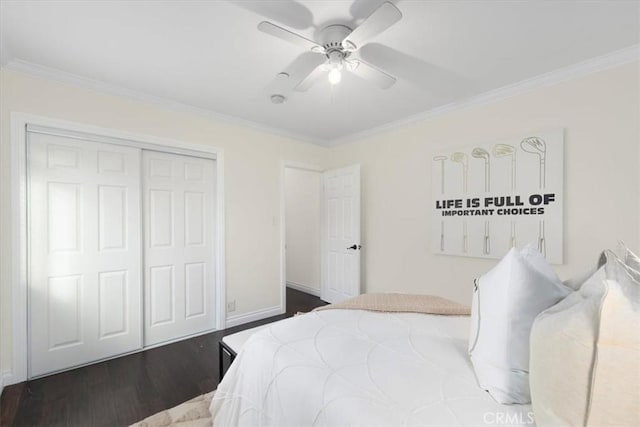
column 125, row 390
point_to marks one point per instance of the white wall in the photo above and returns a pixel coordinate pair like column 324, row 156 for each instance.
column 302, row 219
column 600, row 115
column 252, row 181
column 602, row 158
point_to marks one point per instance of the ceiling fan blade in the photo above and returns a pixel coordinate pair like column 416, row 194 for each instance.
column 375, row 76
column 286, row 81
column 287, row 12
column 310, row 80
column 381, row 19
column 284, row 34
column 439, row 82
column 304, row 65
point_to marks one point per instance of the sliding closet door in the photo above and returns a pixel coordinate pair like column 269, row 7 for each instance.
column 179, row 217
column 84, row 242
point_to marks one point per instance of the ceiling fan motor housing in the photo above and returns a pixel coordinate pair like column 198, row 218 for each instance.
column 331, row 38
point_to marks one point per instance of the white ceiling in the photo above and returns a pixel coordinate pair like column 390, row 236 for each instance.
column 209, row 54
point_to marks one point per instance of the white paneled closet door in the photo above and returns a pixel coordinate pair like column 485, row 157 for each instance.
column 179, row 271
column 84, row 248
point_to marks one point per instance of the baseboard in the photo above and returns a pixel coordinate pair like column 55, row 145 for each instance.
column 241, row 319
column 303, row 288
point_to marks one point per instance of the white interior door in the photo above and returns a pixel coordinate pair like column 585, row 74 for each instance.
column 179, row 218
column 341, row 234
column 84, row 252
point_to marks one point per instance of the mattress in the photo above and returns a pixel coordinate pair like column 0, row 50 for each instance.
column 236, row 341
column 355, row 367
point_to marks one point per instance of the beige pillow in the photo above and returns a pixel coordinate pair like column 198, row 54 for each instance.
column 585, row 353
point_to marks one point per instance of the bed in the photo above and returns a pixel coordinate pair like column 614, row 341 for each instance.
column 359, row 367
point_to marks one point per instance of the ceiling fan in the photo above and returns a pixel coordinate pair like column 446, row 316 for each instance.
column 338, row 43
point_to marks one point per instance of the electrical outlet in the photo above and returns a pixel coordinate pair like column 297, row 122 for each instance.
column 231, row 306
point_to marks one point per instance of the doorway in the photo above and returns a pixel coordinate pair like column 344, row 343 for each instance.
column 302, row 213
column 321, row 247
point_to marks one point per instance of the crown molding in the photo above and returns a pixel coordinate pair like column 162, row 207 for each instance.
column 580, row 69
column 41, row 71
column 590, row 66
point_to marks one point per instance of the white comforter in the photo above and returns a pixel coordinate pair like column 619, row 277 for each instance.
column 354, row 367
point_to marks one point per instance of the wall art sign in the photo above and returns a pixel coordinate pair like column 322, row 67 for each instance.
column 490, row 197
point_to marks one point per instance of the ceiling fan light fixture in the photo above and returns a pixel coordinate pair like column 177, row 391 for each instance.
column 335, row 76
column 336, row 63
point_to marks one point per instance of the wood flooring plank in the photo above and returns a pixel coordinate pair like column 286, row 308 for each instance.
column 121, row 391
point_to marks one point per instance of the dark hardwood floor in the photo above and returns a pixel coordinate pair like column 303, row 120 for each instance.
column 121, row 391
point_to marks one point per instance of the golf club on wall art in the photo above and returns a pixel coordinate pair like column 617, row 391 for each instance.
column 490, row 197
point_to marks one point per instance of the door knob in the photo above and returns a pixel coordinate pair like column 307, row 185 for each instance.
column 354, row 247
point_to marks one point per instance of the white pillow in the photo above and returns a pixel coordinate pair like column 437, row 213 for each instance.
column 585, row 352
column 506, row 301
